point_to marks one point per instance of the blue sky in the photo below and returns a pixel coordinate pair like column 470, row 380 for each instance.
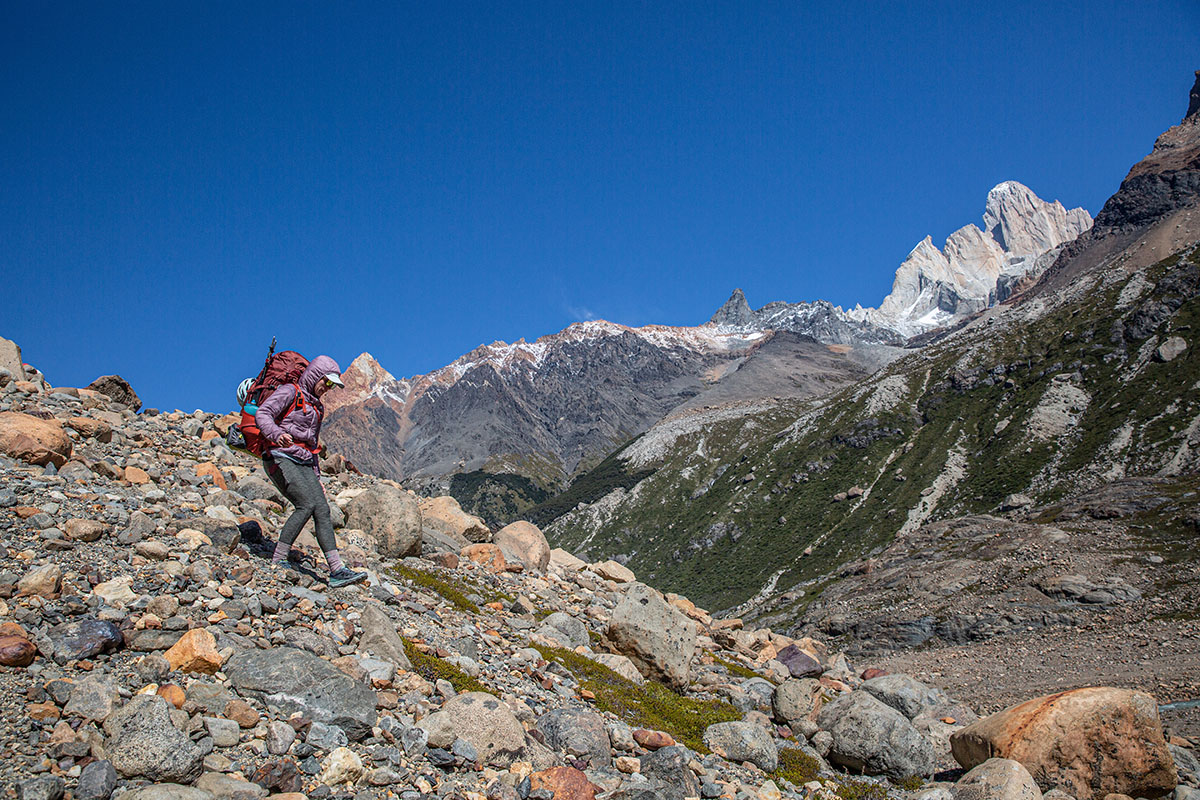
column 181, row 181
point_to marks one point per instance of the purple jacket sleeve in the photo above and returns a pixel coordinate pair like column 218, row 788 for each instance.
column 272, row 409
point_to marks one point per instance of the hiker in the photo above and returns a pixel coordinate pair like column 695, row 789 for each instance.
column 290, row 421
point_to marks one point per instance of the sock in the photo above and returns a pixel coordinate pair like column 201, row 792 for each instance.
column 281, row 552
column 335, row 561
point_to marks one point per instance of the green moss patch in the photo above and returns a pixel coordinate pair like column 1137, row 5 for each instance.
column 431, row 668
column 738, row 670
column 439, row 586
column 796, row 766
column 651, row 705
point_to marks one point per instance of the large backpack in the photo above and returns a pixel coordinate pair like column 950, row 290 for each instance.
column 279, row 369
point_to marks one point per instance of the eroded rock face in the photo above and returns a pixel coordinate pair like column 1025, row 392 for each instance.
column 658, row 638
column 296, row 680
column 38, row 441
column 391, row 517
column 1088, row 742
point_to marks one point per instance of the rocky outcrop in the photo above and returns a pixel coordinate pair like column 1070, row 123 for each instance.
column 390, row 516
column 118, row 390
column 35, row 440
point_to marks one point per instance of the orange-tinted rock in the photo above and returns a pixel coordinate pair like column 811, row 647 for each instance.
column 172, row 694
column 85, row 530
column 565, row 783
column 652, row 740
column 872, row 672
column 136, row 475
column 523, row 542
column 96, row 429
column 1089, row 742
column 12, row 629
column 16, row 651
column 38, row 441
column 208, row 434
column 196, row 651
column 209, row 468
column 44, row 711
column 242, row 713
column 487, row 556
column 447, row 560
column 25, row 512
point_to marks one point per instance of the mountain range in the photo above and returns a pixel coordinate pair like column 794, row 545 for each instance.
column 507, row 426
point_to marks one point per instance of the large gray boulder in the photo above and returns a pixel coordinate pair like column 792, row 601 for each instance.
column 795, row 699
column 668, row 768
column 658, row 638
column 578, row 733
column 742, row 741
column 905, row 694
column 874, row 738
column 142, row 743
column 379, row 637
column 484, row 721
column 997, row 779
column 295, row 680
column 564, row 629
column 391, row 517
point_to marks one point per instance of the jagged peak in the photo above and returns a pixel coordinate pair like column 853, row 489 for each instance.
column 736, row 311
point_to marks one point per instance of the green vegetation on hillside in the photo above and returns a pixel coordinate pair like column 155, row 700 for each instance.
column 945, row 431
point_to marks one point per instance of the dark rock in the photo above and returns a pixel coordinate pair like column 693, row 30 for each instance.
column 97, row 781
column 280, row 775
column 117, row 389
column 297, row 681
column 84, row 638
column 670, row 766
column 47, row 787
column 150, row 640
column 143, row 743
column 799, row 663
column 225, row 536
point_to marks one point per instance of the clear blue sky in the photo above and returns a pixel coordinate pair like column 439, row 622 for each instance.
column 181, row 181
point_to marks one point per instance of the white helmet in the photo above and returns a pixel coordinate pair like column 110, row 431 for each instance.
column 244, row 390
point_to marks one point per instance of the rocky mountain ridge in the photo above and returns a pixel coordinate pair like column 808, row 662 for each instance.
column 517, row 421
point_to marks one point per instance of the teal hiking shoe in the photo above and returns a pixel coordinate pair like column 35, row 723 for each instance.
column 345, row 577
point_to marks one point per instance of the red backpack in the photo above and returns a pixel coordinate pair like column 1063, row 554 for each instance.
column 279, row 369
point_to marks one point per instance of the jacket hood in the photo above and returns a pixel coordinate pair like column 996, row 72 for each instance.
column 318, row 368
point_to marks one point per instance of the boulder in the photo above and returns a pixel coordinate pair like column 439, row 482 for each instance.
column 1171, row 349
column 1088, row 742
column 83, row 638
column 297, row 681
column 116, row 389
column 670, row 766
column 445, row 515
column 484, row 721
column 524, row 543
column 620, row 665
column 224, row 534
column 997, row 779
column 227, row 787
column 391, row 517
column 799, row 663
column 564, row 629
column 742, row 741
column 256, row 487
column 86, row 530
column 10, row 359
column 563, row 561
column 795, row 699
column 45, row 581
column 96, row 429
column 563, row 782
column 486, row 555
column 658, row 638
column 168, row 791
column 874, row 738
column 37, row 441
column 196, row 651
column 379, row 637
column 46, row 787
column 97, row 781
column 614, row 571
column 16, row 651
column 580, row 734
column 341, row 766
column 904, row 693
column 143, row 743
column 93, row 698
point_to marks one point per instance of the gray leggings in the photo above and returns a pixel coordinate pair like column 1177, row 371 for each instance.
column 300, row 484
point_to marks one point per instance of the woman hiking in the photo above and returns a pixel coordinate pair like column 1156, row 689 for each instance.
column 290, row 419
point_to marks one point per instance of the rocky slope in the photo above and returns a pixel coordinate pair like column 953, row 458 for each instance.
column 506, row 425
column 150, row 650
column 1066, row 391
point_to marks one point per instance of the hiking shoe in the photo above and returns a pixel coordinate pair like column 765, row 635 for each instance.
column 345, row 577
